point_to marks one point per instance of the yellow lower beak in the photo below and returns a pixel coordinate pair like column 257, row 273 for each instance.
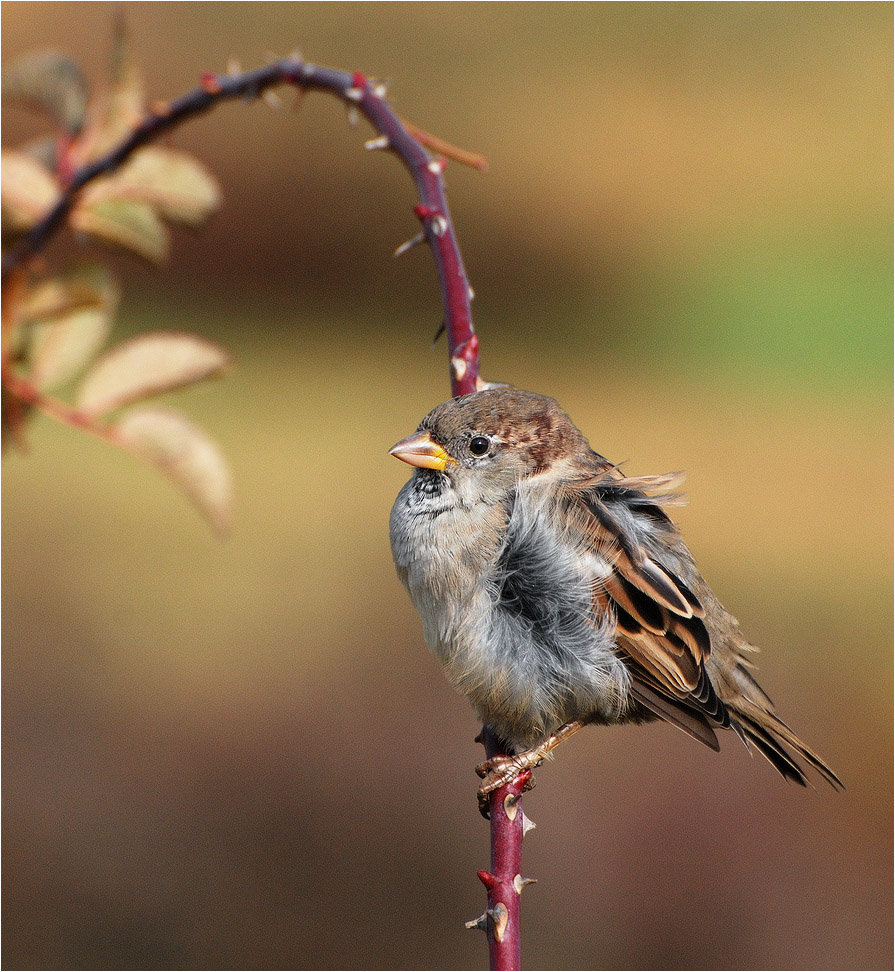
column 419, row 450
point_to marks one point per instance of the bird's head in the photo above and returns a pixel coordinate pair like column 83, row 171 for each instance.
column 492, row 439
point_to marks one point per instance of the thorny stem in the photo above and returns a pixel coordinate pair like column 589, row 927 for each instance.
column 503, row 882
column 367, row 97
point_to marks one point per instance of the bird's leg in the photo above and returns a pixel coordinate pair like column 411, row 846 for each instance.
column 500, row 770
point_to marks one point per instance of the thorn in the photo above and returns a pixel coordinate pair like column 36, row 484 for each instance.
column 527, row 824
column 481, row 385
column 438, row 333
column 510, row 807
column 438, row 221
column 356, row 91
column 487, row 878
column 353, row 116
column 437, row 166
column 382, row 142
column 161, row 109
column 380, row 88
column 424, row 212
column 459, row 366
column 471, row 294
column 272, row 99
column 519, row 883
column 296, row 55
column 210, row 83
column 481, row 923
column 233, row 67
column 409, row 245
column 500, row 916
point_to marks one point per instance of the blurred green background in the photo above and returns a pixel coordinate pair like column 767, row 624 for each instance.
column 238, row 754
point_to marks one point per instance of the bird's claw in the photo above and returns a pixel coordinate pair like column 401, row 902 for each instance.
column 500, row 771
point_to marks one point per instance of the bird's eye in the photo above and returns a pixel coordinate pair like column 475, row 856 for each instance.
column 479, row 445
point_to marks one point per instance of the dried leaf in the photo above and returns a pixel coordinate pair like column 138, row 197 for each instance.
column 133, row 225
column 176, row 184
column 186, row 454
column 51, row 81
column 71, row 318
column 148, row 365
column 27, row 191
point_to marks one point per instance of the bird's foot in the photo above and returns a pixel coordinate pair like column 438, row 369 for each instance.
column 501, row 770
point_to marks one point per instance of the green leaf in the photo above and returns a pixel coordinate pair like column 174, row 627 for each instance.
column 186, row 454
column 51, row 81
column 27, row 191
column 145, row 366
column 134, row 226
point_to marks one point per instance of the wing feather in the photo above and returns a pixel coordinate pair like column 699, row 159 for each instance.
column 659, row 620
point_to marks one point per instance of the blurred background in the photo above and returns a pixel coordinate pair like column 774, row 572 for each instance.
column 238, row 754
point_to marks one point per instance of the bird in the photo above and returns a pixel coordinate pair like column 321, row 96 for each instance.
column 557, row 592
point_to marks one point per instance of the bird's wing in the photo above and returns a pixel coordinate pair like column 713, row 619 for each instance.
column 660, row 631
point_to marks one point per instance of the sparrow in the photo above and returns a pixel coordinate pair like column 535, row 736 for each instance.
column 557, row 592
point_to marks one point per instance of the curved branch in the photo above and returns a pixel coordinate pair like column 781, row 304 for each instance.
column 355, row 89
column 503, row 882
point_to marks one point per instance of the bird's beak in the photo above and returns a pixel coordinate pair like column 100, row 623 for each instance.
column 419, row 450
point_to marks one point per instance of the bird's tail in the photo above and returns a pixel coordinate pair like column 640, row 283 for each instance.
column 756, row 723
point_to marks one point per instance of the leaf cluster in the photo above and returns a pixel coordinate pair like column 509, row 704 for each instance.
column 57, row 322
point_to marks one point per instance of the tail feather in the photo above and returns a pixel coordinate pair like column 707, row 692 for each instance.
column 779, row 744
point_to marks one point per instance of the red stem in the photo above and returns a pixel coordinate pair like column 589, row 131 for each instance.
column 355, row 89
column 504, row 882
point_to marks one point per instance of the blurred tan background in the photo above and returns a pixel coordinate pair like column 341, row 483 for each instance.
column 238, row 754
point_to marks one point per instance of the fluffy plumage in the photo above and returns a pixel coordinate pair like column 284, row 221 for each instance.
column 555, row 590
